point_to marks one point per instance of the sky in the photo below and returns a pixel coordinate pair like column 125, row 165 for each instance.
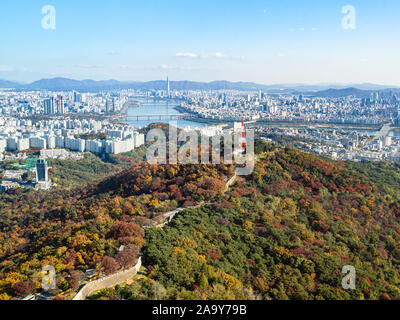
column 268, row 42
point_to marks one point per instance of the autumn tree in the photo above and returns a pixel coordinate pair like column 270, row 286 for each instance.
column 109, row 265
column 74, row 279
column 23, row 288
column 125, row 229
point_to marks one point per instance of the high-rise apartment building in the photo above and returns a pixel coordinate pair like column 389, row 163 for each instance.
column 110, row 105
column 41, row 171
column 48, row 105
column 77, row 97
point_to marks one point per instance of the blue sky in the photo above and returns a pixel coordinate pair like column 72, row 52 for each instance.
column 285, row 41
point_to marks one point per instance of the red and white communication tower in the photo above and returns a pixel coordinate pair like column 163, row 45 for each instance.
column 241, row 144
column 243, row 140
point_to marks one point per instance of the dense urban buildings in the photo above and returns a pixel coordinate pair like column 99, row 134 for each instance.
column 44, row 119
column 377, row 109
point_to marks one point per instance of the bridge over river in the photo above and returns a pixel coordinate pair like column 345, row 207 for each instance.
column 155, row 117
column 383, row 132
column 379, row 135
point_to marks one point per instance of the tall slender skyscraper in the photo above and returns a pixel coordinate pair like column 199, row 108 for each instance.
column 47, row 106
column 168, row 88
column 61, row 110
column 52, row 106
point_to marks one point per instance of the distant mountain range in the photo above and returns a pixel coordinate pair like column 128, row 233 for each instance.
column 337, row 93
column 320, row 90
column 5, row 84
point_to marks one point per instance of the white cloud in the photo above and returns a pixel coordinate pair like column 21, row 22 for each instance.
column 173, row 68
column 282, row 54
column 301, row 29
column 27, row 70
column 4, row 68
column 186, row 55
column 168, row 67
column 217, row 55
column 87, row 66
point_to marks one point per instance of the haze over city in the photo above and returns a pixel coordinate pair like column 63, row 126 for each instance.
column 267, row 42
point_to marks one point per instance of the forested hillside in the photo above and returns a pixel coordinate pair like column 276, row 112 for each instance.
column 284, row 232
column 78, row 229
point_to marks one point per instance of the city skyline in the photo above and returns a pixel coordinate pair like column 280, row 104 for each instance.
column 258, row 41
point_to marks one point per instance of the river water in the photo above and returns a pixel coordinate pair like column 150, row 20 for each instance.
column 163, row 108
column 393, row 133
